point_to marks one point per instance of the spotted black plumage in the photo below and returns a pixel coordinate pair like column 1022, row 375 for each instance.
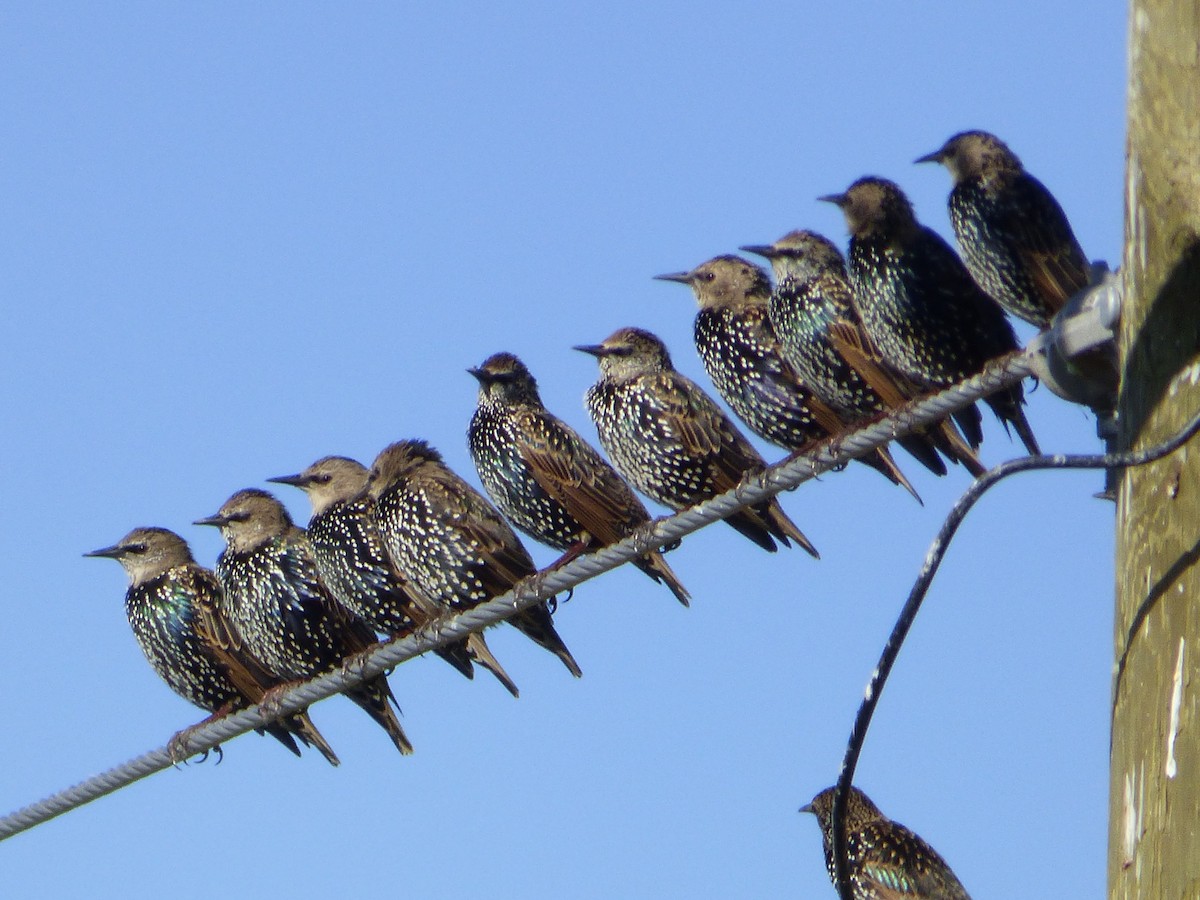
column 744, row 358
column 821, row 334
column 354, row 563
column 284, row 613
column 886, row 861
column 450, row 542
column 671, row 440
column 919, row 304
column 174, row 608
column 1013, row 235
column 545, row 478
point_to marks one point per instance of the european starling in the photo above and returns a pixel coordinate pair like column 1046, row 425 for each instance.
column 821, row 334
column 285, row 615
column 545, row 478
column 450, row 542
column 919, row 304
column 1013, row 235
column 671, row 440
column 355, row 566
column 174, row 608
column 886, row 861
column 745, row 360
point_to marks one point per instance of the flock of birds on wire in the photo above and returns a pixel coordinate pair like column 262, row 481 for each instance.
column 835, row 343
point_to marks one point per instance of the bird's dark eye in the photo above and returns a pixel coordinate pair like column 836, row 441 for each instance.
column 135, row 548
column 709, row 276
column 323, row 478
column 240, row 516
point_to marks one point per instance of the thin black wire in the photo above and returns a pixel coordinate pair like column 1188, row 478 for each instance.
column 933, row 560
column 785, row 475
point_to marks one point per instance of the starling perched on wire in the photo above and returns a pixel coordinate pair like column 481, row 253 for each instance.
column 671, row 440
column 548, row 480
column 354, row 564
column 821, row 334
column 886, row 861
column 450, row 542
column 745, row 360
column 285, row 615
column 1013, row 235
column 919, row 304
column 174, row 608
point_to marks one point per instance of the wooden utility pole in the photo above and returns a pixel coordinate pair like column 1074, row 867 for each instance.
column 1154, row 799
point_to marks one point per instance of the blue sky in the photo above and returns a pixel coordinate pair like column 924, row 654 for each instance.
column 237, row 239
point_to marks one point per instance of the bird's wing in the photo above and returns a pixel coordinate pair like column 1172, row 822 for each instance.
column 505, row 559
column 705, row 432
column 901, row 866
column 780, row 385
column 851, row 344
column 574, row 474
column 1043, row 241
column 224, row 641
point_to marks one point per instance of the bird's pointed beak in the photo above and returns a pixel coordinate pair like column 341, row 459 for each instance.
column 767, row 251
column 835, row 199
column 294, row 480
column 113, row 552
column 807, row 808
column 597, row 350
column 680, row 277
column 481, row 375
column 934, row 157
column 216, row 520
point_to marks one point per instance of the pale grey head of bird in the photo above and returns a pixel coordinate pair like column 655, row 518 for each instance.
column 331, row 479
column 974, row 154
column 398, row 463
column 875, row 207
column 801, row 255
column 249, row 519
column 147, row 553
column 628, row 353
column 725, row 281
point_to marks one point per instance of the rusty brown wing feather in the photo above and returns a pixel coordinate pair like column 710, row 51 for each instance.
column 856, row 348
column 591, row 491
column 575, row 475
column 505, row 560
column 707, row 433
column 850, row 343
column 1044, row 242
column 225, row 644
column 1056, row 275
column 783, row 384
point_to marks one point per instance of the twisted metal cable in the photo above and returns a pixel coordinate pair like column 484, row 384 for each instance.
column 933, row 561
column 785, row 475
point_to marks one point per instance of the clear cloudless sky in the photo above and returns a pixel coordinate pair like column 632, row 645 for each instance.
column 237, row 238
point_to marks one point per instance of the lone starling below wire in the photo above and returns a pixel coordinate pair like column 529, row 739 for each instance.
column 174, row 608
column 450, row 542
column 284, row 613
column 821, row 334
column 671, row 440
column 921, row 307
column 745, row 360
column 354, row 564
column 1013, row 235
column 886, row 861
column 545, row 478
